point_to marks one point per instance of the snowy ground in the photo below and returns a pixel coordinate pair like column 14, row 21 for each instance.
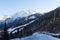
column 37, row 36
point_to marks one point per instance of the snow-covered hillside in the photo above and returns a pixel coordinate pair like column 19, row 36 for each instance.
column 21, row 26
column 20, row 17
column 37, row 36
column 23, row 13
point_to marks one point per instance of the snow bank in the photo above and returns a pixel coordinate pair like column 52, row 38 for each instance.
column 37, row 36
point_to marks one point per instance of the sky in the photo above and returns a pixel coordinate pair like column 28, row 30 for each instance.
column 9, row 7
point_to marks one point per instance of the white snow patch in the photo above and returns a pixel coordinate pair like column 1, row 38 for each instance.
column 32, row 17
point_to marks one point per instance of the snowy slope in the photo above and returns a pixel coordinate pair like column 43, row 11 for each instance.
column 21, row 26
column 37, row 36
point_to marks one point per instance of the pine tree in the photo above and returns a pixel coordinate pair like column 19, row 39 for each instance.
column 5, row 36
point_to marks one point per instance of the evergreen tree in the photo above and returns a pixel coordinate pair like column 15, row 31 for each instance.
column 5, row 36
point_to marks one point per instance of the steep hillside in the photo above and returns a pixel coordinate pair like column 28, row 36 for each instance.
column 49, row 22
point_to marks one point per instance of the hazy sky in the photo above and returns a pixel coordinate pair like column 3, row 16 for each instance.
column 9, row 7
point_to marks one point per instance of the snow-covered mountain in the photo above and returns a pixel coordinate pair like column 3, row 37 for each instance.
column 45, row 23
column 21, row 17
column 23, row 13
column 23, row 24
